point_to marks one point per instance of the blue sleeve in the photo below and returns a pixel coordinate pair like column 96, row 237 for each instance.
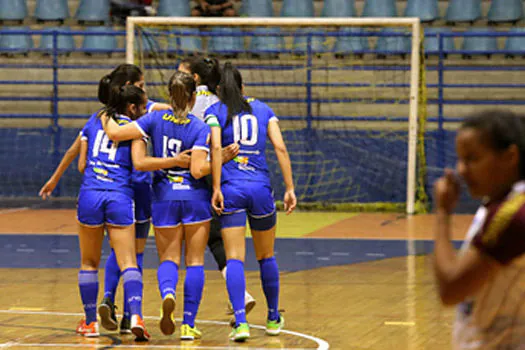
column 271, row 115
column 211, row 115
column 202, row 141
column 149, row 106
column 145, row 124
column 84, row 131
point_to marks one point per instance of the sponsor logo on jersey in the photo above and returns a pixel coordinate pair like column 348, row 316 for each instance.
column 171, row 118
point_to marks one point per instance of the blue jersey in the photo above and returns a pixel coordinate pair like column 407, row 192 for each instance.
column 169, row 137
column 108, row 164
column 250, row 131
column 140, row 177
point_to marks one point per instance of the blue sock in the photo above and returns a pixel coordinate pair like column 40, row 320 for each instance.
column 193, row 286
column 111, row 276
column 168, row 276
column 140, row 261
column 88, row 285
column 236, row 285
column 133, row 290
column 270, row 284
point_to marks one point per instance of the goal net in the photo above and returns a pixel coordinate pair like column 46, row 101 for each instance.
column 349, row 93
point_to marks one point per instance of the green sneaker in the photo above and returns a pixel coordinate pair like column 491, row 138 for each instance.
column 274, row 327
column 240, row 333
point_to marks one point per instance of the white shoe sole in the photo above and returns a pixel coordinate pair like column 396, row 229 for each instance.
column 166, row 324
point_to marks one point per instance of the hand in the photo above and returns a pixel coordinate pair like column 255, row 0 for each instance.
column 184, row 159
column 47, row 189
column 290, row 201
column 204, row 5
column 446, row 191
column 217, row 201
column 230, row 152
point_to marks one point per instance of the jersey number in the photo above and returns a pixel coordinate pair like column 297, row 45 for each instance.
column 102, row 145
column 241, row 129
column 172, row 146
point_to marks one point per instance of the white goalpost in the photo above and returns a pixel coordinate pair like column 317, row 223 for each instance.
column 328, row 101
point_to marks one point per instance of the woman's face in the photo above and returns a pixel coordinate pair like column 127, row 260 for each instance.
column 487, row 172
column 137, row 111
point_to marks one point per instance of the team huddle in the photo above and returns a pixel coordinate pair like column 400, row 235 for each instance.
column 206, row 149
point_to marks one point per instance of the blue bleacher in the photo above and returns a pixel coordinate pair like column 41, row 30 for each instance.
column 229, row 45
column 379, row 8
column 65, row 43
column 339, row 8
column 176, row 8
column 13, row 10
column 257, row 8
column 105, row 44
column 393, row 45
column 261, row 44
column 185, row 43
column 356, row 45
column 463, row 11
column 426, row 10
column 297, row 8
column 93, row 11
column 51, row 10
column 505, row 11
column 480, row 45
column 15, row 43
column 432, row 42
column 516, row 44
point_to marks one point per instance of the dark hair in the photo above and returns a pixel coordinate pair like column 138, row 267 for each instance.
column 207, row 69
column 500, row 130
column 120, row 98
column 230, row 92
column 118, row 77
column 181, row 87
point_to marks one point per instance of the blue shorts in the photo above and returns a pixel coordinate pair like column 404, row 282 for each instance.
column 142, row 194
column 96, row 208
column 254, row 199
column 174, row 213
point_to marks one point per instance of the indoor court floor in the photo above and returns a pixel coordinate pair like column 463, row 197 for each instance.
column 348, row 281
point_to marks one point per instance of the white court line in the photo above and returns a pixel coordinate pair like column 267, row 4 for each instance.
column 123, row 346
column 321, row 344
column 13, row 210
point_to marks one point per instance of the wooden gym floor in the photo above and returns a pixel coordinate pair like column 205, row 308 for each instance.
column 382, row 299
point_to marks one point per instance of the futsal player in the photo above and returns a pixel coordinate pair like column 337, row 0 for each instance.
column 245, row 183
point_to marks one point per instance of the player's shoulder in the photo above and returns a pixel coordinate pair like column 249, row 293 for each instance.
column 503, row 216
column 196, row 122
column 259, row 108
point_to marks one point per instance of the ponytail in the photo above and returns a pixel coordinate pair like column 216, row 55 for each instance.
column 120, row 98
column 181, row 88
column 119, row 76
column 230, row 92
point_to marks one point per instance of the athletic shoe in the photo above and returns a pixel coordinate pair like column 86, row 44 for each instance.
column 88, row 330
column 167, row 319
column 125, row 326
column 274, row 327
column 106, row 311
column 139, row 329
column 189, row 333
column 240, row 333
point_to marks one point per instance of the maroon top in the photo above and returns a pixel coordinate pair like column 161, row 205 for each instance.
column 503, row 234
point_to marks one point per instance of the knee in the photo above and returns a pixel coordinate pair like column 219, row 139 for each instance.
column 89, row 264
column 264, row 255
column 195, row 13
column 229, row 13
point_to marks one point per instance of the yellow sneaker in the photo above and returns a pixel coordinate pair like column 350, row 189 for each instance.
column 274, row 327
column 167, row 319
column 189, row 333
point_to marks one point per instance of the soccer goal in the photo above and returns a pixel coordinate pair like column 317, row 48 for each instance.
column 349, row 93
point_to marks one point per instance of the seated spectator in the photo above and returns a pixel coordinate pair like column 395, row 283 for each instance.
column 214, row 8
column 120, row 9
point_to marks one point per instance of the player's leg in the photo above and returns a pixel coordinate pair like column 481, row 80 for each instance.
column 216, row 245
column 120, row 219
column 106, row 308
column 196, row 220
column 90, row 215
column 168, row 237
column 263, row 218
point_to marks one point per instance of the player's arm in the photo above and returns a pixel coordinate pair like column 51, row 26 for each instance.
column 276, row 137
column 458, row 276
column 143, row 162
column 117, row 132
column 67, row 159
column 82, row 159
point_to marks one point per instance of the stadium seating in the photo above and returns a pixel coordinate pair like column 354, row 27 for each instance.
column 516, row 43
column 15, row 43
column 65, row 43
column 185, row 43
column 180, row 8
column 426, row 10
column 148, row 42
column 463, row 11
column 266, row 44
column 99, row 43
column 51, row 10
column 93, row 11
column 380, row 8
column 297, row 8
column 318, row 43
column 228, row 45
column 339, row 8
column 432, row 42
column 505, row 11
column 13, row 10
column 483, row 45
column 393, row 45
column 257, row 8
column 350, row 44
